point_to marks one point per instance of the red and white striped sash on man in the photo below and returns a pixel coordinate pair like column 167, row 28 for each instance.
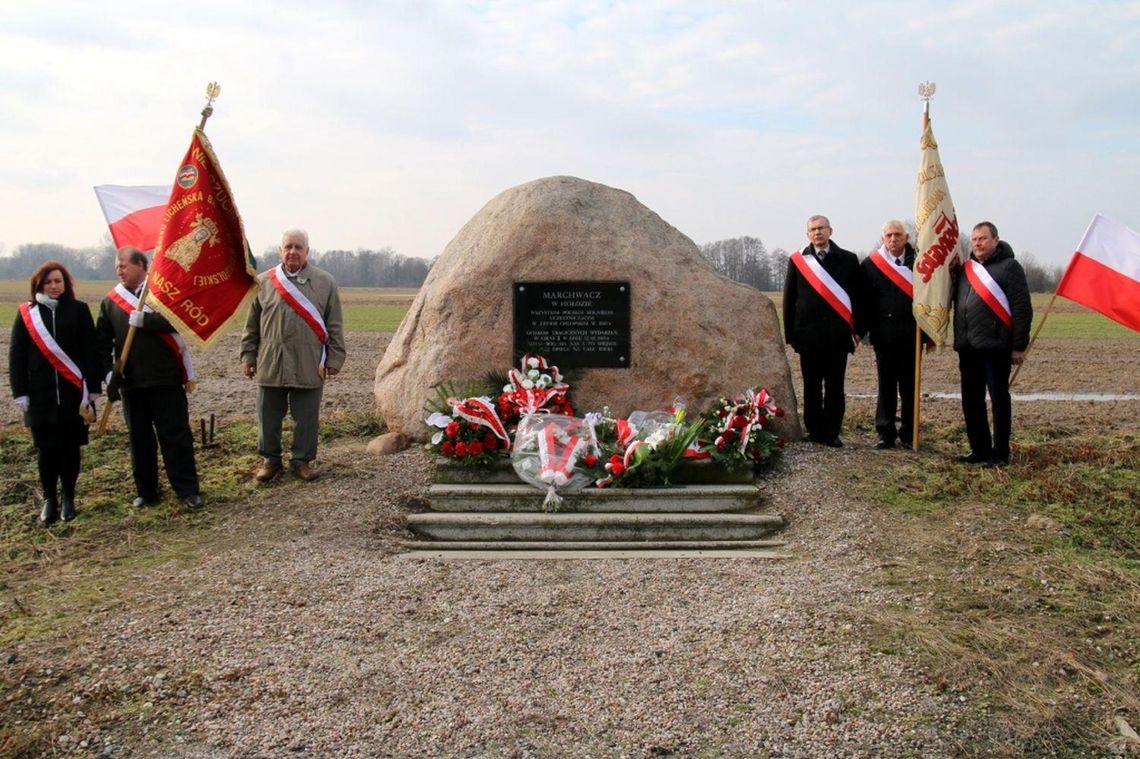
column 128, row 301
column 990, row 292
column 824, row 284
column 51, row 349
column 302, row 305
column 901, row 276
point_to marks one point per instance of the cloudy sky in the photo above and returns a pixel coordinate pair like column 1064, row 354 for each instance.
column 377, row 123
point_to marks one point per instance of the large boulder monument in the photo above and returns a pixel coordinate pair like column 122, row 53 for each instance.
column 587, row 276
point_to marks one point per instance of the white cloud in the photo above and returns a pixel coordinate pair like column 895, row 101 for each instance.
column 391, row 123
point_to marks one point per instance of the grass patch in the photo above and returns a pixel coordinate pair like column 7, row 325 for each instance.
column 1020, row 586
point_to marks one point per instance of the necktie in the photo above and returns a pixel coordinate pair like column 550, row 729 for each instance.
column 898, row 262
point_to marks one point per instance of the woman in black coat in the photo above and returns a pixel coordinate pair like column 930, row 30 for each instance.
column 54, row 335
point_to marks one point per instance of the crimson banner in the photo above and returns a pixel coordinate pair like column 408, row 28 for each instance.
column 203, row 272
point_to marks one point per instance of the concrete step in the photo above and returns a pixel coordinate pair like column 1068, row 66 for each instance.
column 501, row 472
column 444, row 554
column 520, row 497
column 582, row 545
column 563, row 526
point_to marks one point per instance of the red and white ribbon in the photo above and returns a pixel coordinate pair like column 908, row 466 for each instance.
column 989, row 291
column 900, row 275
column 128, row 301
column 824, row 284
column 480, row 411
column 557, row 457
column 51, row 349
column 302, row 305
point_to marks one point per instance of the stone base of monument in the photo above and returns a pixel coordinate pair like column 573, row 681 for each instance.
column 487, row 512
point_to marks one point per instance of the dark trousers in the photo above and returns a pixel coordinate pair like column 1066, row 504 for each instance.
column 984, row 370
column 824, row 397
column 160, row 412
column 895, row 367
column 59, row 464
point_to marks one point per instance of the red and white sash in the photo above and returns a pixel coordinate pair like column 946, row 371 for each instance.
column 824, row 284
column 900, row 275
column 51, row 349
column 302, row 305
column 989, row 291
column 128, row 301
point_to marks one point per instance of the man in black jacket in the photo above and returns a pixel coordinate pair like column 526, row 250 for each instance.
column 890, row 322
column 823, row 313
column 992, row 316
column 152, row 386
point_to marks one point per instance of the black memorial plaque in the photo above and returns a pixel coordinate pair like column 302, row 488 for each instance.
column 573, row 325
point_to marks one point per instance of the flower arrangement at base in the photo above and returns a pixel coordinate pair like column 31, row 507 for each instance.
column 642, row 450
column 739, row 430
column 471, row 434
column 548, row 452
column 536, row 387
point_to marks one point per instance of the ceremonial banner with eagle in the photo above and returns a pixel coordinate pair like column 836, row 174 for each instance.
column 203, row 272
column 937, row 243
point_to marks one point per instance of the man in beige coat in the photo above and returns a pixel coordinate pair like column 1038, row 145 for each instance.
column 293, row 341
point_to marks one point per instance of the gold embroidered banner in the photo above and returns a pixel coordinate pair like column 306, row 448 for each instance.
column 937, row 243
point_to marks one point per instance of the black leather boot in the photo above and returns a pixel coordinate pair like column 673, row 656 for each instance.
column 67, row 508
column 50, row 511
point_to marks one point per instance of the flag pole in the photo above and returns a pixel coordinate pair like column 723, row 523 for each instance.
column 1033, row 339
column 925, row 92
column 213, row 89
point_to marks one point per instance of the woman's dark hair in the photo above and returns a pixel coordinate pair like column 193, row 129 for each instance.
column 41, row 274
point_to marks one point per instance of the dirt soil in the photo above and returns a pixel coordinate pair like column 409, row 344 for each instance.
column 293, row 626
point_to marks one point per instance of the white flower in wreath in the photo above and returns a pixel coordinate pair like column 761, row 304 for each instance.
column 527, row 384
column 532, row 362
column 543, row 382
column 533, row 374
column 656, row 438
column 438, row 420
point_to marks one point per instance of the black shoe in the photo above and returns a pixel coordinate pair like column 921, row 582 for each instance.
column 973, row 458
column 993, row 462
column 194, row 503
column 142, row 501
column 67, row 508
column 884, row 444
column 50, row 512
column 833, row 442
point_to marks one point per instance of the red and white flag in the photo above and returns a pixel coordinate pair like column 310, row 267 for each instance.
column 134, row 214
column 1104, row 273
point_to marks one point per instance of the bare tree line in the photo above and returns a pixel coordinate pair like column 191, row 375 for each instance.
column 357, row 268
column 743, row 259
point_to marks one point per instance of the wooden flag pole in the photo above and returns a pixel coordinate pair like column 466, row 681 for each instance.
column 213, row 89
column 1033, row 339
column 926, row 92
column 917, row 385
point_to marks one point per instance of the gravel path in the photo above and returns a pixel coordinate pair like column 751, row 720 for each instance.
column 302, row 632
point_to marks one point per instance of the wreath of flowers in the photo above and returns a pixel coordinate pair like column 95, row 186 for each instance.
column 642, row 450
column 478, row 430
column 742, row 429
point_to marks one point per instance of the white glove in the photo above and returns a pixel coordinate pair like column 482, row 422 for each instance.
column 107, row 379
column 23, row 402
column 135, row 319
column 93, row 398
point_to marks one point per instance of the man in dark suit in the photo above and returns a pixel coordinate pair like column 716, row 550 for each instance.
column 890, row 322
column 823, row 313
column 152, row 385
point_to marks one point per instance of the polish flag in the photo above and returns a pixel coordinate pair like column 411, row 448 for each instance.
column 134, row 214
column 1104, row 273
